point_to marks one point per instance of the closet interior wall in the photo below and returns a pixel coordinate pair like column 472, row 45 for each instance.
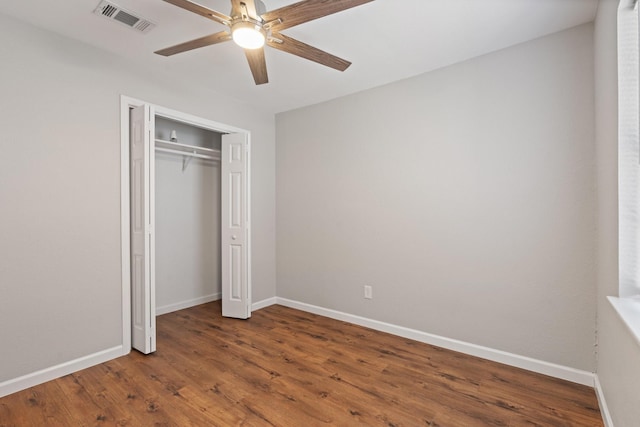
column 187, row 221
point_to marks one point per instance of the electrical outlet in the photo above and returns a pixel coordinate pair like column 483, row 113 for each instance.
column 368, row 292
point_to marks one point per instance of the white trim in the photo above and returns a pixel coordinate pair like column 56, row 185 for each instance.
column 530, row 364
column 196, row 121
column 249, row 228
column 604, row 409
column 628, row 310
column 264, row 303
column 169, row 308
column 21, row 383
column 546, row 368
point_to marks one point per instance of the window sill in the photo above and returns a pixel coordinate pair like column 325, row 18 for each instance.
column 629, row 311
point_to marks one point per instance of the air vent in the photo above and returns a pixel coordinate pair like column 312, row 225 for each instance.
column 125, row 17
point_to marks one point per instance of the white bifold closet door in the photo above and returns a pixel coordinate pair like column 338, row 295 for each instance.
column 236, row 262
column 143, row 301
column 236, row 301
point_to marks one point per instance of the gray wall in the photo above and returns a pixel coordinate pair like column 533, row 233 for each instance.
column 60, row 285
column 464, row 196
column 618, row 351
column 187, row 221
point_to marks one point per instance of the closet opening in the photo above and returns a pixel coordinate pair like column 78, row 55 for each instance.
column 187, row 208
column 185, row 217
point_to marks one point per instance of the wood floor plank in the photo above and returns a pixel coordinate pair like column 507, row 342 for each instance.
column 284, row 367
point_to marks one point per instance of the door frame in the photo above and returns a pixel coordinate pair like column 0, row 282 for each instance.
column 126, row 103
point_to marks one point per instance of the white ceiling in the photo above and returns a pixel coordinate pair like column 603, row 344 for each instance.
column 386, row 40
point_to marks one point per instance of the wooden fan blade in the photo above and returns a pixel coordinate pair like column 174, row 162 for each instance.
column 220, row 37
column 307, row 10
column 303, row 50
column 258, row 65
column 201, row 10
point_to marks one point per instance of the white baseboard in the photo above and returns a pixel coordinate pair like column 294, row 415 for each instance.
column 546, row 368
column 264, row 303
column 48, row 374
column 604, row 409
column 542, row 367
column 186, row 304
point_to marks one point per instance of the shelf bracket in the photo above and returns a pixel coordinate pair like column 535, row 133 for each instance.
column 186, row 160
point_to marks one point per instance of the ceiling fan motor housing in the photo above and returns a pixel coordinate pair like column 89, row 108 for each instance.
column 241, row 11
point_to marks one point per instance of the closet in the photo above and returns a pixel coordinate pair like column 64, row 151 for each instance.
column 189, row 217
column 187, row 206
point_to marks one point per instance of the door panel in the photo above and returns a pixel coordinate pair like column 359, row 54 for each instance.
column 143, row 306
column 236, row 301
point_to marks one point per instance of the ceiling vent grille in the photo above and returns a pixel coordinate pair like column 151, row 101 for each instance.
column 125, row 17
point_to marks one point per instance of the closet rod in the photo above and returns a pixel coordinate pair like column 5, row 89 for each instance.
column 190, row 147
column 187, row 153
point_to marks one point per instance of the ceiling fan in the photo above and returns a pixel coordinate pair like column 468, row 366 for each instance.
column 251, row 26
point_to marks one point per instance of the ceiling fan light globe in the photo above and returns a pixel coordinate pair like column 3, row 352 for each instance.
column 248, row 36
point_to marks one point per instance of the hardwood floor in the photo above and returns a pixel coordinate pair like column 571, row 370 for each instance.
column 284, row 367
